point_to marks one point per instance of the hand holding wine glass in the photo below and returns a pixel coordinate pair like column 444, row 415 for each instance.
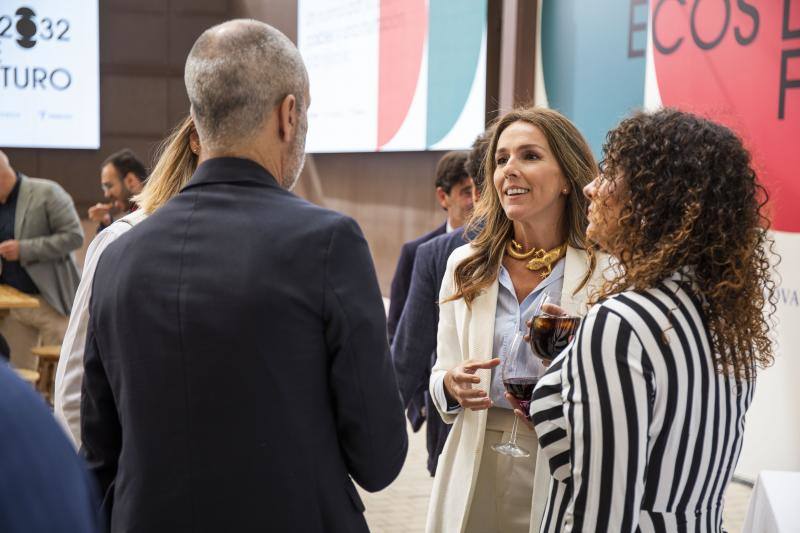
column 520, row 372
column 551, row 328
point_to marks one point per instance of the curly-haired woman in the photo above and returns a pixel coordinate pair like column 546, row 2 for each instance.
column 642, row 419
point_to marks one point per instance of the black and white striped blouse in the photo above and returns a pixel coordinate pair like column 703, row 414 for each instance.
column 641, row 432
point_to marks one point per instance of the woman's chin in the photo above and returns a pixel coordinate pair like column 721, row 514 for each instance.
column 518, row 213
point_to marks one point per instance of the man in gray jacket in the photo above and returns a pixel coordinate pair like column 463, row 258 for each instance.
column 39, row 230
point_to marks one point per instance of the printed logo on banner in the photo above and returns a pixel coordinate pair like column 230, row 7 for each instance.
column 49, row 94
column 398, row 74
column 739, row 63
column 24, row 77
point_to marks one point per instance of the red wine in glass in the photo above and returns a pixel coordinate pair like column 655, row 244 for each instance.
column 551, row 334
column 520, row 371
column 521, row 388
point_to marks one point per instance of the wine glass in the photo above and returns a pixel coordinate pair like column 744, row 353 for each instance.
column 520, row 372
column 552, row 329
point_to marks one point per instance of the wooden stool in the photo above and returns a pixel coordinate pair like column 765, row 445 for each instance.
column 31, row 376
column 48, row 361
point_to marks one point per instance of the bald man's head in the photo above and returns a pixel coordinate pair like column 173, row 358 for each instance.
column 236, row 73
column 8, row 177
column 5, row 166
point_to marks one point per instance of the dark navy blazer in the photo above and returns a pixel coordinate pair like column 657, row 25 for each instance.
column 414, row 346
column 402, row 277
column 237, row 374
column 45, row 486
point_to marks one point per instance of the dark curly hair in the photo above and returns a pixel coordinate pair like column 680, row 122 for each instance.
column 691, row 201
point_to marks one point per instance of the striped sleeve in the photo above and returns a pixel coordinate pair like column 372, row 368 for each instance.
column 609, row 389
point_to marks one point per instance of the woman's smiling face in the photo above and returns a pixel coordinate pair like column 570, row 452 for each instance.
column 527, row 177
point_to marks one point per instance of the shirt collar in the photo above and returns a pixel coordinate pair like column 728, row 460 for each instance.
column 231, row 170
column 557, row 274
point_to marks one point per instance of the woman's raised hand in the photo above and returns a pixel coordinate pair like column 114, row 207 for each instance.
column 458, row 383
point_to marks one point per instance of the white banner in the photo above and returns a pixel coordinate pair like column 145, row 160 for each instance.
column 49, row 74
column 772, row 432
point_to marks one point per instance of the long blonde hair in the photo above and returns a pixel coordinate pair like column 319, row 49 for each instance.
column 175, row 165
column 489, row 220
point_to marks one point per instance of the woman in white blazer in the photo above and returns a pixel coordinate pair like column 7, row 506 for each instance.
column 533, row 207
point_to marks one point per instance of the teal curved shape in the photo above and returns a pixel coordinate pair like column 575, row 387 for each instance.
column 589, row 72
column 455, row 34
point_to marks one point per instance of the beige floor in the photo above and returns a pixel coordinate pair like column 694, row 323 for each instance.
column 401, row 508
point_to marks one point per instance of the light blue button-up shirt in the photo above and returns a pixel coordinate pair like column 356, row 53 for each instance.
column 510, row 318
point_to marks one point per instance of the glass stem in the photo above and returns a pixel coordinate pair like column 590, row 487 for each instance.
column 513, row 441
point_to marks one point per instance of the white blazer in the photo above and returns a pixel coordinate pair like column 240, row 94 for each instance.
column 464, row 334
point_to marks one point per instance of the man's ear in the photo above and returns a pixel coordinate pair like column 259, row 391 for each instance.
column 128, row 180
column 287, row 118
column 194, row 142
column 442, row 197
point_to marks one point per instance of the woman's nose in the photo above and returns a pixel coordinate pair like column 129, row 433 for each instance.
column 510, row 168
column 590, row 189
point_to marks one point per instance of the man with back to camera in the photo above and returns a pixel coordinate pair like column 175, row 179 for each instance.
column 414, row 345
column 39, row 230
column 247, row 377
column 454, row 194
column 122, row 176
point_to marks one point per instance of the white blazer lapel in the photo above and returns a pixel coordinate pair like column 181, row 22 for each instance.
column 481, row 330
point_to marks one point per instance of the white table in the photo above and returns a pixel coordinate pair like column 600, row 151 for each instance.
column 775, row 504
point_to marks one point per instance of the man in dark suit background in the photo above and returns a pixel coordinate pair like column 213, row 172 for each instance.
column 414, row 345
column 237, row 374
column 454, row 194
column 45, row 485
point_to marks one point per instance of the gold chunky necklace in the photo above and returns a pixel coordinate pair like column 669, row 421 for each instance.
column 540, row 259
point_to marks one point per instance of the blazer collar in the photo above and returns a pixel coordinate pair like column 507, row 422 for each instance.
column 232, row 170
column 23, row 201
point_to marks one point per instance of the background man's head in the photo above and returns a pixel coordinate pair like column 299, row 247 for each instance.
column 8, row 177
column 248, row 89
column 454, row 187
column 122, row 176
column 476, row 163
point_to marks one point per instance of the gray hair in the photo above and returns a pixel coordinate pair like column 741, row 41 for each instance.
column 236, row 73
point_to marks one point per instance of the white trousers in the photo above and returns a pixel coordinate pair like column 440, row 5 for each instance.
column 503, row 493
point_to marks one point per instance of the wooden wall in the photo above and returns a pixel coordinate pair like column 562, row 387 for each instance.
column 143, row 46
